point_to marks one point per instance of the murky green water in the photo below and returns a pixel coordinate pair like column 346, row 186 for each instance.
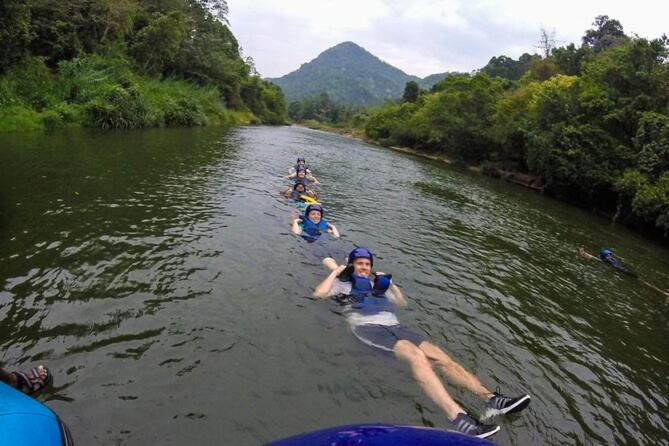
column 155, row 273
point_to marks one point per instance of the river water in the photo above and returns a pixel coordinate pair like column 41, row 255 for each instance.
column 155, row 273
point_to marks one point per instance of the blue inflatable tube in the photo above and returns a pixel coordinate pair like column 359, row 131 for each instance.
column 27, row 422
column 381, row 435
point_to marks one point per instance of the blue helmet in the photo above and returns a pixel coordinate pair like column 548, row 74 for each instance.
column 605, row 252
column 313, row 207
column 300, row 158
column 361, row 253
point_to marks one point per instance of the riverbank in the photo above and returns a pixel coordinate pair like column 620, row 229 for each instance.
column 522, row 179
column 105, row 92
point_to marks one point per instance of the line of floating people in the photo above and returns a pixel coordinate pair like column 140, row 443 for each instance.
column 370, row 298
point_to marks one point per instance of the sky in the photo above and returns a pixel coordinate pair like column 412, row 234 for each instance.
column 423, row 37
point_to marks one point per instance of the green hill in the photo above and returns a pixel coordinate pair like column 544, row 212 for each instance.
column 349, row 74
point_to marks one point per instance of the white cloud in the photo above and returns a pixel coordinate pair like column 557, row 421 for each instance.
column 421, row 36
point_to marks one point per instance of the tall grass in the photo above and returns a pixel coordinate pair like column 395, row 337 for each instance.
column 105, row 92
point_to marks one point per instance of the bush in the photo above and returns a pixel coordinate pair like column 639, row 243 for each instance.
column 30, row 82
column 19, row 118
column 118, row 108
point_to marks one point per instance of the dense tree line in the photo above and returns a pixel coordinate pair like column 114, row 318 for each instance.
column 591, row 120
column 322, row 109
column 127, row 63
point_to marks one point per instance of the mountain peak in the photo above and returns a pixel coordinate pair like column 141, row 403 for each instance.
column 347, row 53
column 348, row 45
column 349, row 74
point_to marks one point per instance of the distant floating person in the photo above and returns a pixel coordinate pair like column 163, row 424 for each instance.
column 607, row 257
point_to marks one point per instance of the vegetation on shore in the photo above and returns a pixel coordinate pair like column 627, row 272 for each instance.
column 592, row 121
column 126, row 64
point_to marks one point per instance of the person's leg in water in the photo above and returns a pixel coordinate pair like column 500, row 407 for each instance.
column 426, row 378
column 28, row 382
column 495, row 403
column 454, row 371
column 429, row 382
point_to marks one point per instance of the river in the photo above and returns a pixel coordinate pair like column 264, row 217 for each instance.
column 155, row 273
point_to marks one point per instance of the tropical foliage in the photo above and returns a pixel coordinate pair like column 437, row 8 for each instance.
column 591, row 121
column 126, row 63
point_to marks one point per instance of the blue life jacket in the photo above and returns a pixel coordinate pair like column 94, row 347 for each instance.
column 312, row 228
column 618, row 265
column 363, row 299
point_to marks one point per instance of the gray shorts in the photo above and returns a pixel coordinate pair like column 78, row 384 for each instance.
column 385, row 336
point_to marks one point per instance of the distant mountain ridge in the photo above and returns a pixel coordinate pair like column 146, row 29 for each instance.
column 349, row 74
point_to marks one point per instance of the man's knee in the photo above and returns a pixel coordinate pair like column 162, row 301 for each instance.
column 408, row 351
column 433, row 351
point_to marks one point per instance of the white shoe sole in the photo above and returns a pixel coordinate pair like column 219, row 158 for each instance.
column 491, row 412
column 488, row 434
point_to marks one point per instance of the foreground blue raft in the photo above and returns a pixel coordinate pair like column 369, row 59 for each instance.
column 27, row 422
column 380, row 435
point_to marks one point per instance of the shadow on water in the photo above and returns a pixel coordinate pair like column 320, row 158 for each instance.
column 156, row 274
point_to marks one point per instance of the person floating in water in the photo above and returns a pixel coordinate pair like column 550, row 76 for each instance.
column 29, row 382
column 607, row 257
column 303, row 175
column 371, row 316
column 298, row 192
column 313, row 224
column 301, row 164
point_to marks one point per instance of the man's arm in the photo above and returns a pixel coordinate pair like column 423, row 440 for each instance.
column 333, row 230
column 395, row 296
column 585, row 255
column 313, row 179
column 322, row 290
column 296, row 227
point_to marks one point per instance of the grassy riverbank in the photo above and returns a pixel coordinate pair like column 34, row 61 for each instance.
column 104, row 92
column 131, row 64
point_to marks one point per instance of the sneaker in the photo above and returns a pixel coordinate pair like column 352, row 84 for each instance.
column 500, row 404
column 467, row 425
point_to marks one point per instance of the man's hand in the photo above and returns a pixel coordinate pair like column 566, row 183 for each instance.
column 331, row 264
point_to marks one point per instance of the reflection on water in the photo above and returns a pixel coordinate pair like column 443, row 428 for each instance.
column 155, row 273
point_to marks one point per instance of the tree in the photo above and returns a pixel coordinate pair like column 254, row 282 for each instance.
column 295, row 111
column 508, row 68
column 540, row 69
column 457, row 119
column 546, row 41
column 156, row 45
column 218, row 8
column 624, row 81
column 569, row 59
column 607, row 33
column 15, row 32
column 411, row 92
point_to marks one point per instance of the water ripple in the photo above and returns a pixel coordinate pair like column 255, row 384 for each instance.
column 157, row 269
